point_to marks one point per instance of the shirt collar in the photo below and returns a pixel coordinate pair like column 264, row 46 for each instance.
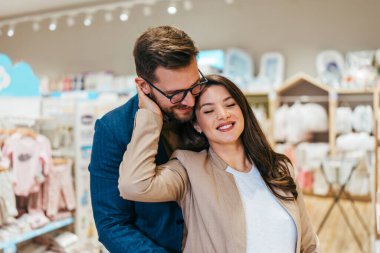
column 218, row 162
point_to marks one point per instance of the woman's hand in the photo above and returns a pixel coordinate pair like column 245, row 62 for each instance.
column 146, row 102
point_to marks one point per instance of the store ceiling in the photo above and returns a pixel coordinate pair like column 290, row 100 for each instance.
column 16, row 8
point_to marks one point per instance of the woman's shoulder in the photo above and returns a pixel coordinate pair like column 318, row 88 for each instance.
column 189, row 153
column 188, row 157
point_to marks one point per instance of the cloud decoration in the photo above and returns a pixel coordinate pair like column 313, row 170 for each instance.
column 17, row 80
column 5, row 79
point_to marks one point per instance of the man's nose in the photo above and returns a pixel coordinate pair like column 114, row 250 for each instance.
column 189, row 100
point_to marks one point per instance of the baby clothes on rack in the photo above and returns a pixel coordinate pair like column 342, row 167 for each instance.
column 294, row 124
column 59, row 187
column 343, row 122
column 362, row 119
column 7, row 198
column 30, row 158
column 315, row 117
column 4, row 163
column 355, row 141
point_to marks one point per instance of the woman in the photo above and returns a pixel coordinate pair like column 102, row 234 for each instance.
column 236, row 193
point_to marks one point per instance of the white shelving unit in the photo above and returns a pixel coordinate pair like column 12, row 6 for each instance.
column 10, row 246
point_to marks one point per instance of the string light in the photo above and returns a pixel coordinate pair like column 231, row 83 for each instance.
column 172, row 9
column 88, row 20
column 89, row 11
column 11, row 31
column 124, row 15
column 53, row 25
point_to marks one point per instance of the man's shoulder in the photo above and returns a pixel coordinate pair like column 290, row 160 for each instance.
column 121, row 116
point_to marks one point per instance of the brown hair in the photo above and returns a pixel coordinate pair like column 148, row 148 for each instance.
column 164, row 46
column 272, row 166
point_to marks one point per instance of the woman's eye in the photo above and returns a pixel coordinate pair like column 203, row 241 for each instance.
column 206, row 112
column 230, row 105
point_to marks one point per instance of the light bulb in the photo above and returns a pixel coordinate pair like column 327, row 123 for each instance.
column 124, row 16
column 172, row 9
column 88, row 20
column 11, row 31
column 53, row 25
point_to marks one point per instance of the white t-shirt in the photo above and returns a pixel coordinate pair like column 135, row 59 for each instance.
column 270, row 228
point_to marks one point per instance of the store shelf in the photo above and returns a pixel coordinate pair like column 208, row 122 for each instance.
column 256, row 93
column 10, row 245
column 355, row 91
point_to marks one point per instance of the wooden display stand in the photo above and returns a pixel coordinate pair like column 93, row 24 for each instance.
column 305, row 89
column 375, row 194
column 265, row 99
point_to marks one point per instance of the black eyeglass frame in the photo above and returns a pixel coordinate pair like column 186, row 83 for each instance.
column 203, row 81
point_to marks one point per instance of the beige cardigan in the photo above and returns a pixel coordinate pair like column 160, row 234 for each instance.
column 208, row 195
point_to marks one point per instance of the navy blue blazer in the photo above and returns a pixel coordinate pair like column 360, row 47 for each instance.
column 127, row 226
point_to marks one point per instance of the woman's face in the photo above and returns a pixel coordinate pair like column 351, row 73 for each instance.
column 219, row 117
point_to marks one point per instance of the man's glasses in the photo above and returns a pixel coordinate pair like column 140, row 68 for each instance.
column 179, row 96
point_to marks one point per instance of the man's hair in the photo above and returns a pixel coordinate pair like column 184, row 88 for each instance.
column 164, row 46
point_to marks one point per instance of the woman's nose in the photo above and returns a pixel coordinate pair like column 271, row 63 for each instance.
column 223, row 114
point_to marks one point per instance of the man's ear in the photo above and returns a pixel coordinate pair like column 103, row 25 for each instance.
column 144, row 85
column 197, row 127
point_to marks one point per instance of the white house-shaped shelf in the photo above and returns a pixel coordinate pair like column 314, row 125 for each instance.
column 306, row 89
column 301, row 85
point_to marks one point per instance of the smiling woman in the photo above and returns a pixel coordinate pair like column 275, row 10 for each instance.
column 219, row 117
column 236, row 193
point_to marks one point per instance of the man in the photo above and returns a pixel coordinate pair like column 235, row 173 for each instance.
column 167, row 71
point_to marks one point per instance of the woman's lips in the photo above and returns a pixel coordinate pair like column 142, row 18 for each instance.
column 225, row 127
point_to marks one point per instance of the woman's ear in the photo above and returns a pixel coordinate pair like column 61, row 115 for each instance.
column 144, row 85
column 197, row 127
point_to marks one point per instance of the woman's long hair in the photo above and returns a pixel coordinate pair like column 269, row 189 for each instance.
column 272, row 166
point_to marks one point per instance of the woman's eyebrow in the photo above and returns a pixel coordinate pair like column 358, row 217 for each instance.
column 224, row 100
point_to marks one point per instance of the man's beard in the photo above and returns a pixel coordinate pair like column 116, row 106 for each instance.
column 170, row 113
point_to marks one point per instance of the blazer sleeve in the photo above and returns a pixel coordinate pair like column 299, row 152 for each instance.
column 309, row 239
column 114, row 216
column 140, row 178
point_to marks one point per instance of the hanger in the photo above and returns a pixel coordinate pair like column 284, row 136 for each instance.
column 59, row 161
column 26, row 132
